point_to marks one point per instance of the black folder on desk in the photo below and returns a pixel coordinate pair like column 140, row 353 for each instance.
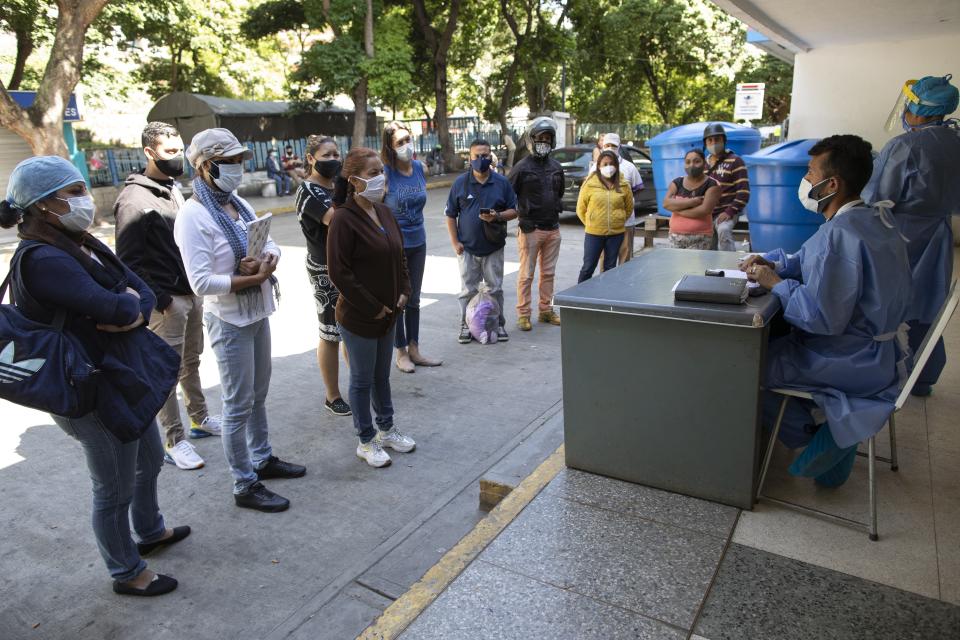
column 711, row 289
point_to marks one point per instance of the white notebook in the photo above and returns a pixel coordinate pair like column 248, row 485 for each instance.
column 257, row 233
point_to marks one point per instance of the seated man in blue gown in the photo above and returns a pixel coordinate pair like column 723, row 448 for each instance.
column 846, row 295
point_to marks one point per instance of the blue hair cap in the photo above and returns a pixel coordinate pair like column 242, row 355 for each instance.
column 37, row 177
column 939, row 96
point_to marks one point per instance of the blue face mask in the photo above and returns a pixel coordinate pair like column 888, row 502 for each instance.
column 481, row 164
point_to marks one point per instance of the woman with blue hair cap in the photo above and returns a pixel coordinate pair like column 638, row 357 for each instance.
column 60, row 269
column 918, row 171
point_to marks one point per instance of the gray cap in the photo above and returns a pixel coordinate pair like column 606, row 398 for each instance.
column 215, row 143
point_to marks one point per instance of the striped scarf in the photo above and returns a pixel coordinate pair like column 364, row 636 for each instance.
column 250, row 300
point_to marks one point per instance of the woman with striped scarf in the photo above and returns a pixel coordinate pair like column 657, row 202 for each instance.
column 240, row 293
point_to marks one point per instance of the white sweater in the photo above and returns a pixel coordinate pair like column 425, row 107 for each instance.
column 209, row 262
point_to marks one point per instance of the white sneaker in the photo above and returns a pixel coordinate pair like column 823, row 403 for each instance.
column 209, row 427
column 396, row 440
column 373, row 453
column 184, row 456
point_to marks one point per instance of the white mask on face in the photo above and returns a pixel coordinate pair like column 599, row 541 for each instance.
column 810, row 203
column 374, row 188
column 608, row 170
column 81, row 214
column 231, row 175
column 405, row 152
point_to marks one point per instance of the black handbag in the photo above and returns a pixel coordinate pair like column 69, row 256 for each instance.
column 495, row 232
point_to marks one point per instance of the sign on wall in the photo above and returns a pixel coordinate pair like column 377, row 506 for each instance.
column 25, row 99
column 749, row 102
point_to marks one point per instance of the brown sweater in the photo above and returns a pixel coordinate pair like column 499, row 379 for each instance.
column 368, row 267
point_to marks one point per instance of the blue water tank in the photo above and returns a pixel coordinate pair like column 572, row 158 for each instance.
column 777, row 219
column 668, row 149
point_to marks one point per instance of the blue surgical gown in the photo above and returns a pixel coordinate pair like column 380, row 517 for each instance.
column 920, row 172
column 845, row 293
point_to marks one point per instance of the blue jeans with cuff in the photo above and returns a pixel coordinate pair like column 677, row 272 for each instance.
column 243, row 357
column 370, row 360
column 124, row 479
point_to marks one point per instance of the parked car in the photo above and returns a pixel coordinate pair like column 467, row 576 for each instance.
column 575, row 160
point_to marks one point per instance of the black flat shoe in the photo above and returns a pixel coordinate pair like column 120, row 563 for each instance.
column 179, row 533
column 259, row 498
column 161, row 584
column 277, row 468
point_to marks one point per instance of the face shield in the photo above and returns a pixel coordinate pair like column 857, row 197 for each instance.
column 902, row 105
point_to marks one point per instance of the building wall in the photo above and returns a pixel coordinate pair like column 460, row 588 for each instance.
column 851, row 89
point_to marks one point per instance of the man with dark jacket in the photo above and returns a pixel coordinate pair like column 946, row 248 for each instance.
column 145, row 213
column 538, row 182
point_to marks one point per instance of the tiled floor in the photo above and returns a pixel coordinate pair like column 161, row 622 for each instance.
column 592, row 557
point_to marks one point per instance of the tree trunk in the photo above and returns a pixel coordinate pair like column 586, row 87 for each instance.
column 24, row 49
column 439, row 44
column 41, row 126
column 359, row 113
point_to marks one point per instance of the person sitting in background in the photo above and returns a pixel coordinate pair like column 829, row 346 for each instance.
column 727, row 168
column 211, row 232
column 60, row 268
column 846, row 294
column 691, row 200
column 603, row 206
column 293, row 165
column 276, row 173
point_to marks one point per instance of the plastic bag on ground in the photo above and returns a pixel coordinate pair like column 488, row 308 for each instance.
column 483, row 318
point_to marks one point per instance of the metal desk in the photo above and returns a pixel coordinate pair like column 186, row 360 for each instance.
column 664, row 393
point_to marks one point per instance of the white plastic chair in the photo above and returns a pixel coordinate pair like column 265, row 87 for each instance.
column 926, row 348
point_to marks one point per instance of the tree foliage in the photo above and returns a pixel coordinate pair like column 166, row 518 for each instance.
column 654, row 60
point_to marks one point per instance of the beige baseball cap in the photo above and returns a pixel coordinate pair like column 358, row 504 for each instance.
column 215, row 143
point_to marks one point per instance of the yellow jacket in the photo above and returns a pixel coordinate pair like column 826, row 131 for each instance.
column 603, row 211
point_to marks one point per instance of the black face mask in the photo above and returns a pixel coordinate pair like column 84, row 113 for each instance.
column 327, row 168
column 172, row 167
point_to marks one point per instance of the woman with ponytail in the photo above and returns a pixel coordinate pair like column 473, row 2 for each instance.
column 368, row 267
column 239, row 292
column 60, row 270
column 315, row 210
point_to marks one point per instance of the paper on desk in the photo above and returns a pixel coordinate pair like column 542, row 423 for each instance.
column 733, row 273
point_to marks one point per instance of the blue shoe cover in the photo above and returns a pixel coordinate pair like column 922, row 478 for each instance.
column 838, row 475
column 820, row 456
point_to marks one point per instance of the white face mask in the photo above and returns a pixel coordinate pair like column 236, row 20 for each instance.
column 608, row 170
column 81, row 214
column 717, row 149
column 809, row 203
column 405, row 152
column 231, row 175
column 374, row 188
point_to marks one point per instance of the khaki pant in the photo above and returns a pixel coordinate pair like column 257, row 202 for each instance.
column 545, row 246
column 181, row 326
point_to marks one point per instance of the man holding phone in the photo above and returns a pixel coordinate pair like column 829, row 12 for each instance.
column 478, row 198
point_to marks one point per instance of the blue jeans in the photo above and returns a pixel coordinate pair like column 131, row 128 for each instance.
column 593, row 246
column 243, row 357
column 370, row 360
column 282, row 181
column 408, row 320
column 124, row 479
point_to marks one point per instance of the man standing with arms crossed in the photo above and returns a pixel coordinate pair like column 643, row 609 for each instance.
column 538, row 182
column 145, row 213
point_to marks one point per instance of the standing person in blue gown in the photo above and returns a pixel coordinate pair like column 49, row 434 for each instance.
column 919, row 171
